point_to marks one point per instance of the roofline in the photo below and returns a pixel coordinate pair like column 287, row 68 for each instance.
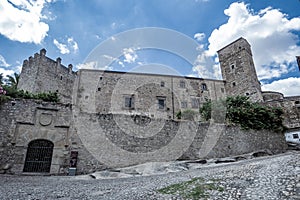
column 241, row 38
column 150, row 74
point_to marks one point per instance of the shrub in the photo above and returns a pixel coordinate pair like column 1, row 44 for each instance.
column 239, row 110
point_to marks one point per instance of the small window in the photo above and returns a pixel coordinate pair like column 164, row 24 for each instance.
column 100, row 78
column 295, row 136
column 161, row 103
column 60, row 77
column 182, row 84
column 232, row 67
column 162, row 84
column 195, row 103
column 233, row 84
column 247, row 94
column 129, row 102
column 297, row 102
column 99, row 89
column 203, row 86
column 183, row 104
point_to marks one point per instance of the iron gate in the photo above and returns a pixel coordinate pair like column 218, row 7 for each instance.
column 39, row 156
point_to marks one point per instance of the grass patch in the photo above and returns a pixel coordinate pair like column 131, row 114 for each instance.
column 195, row 188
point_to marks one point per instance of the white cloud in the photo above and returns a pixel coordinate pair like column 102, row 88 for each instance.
column 66, row 48
column 3, row 62
column 269, row 32
column 73, row 44
column 199, row 36
column 6, row 72
column 92, row 65
column 20, row 20
column 130, row 55
column 288, row 87
column 62, row 47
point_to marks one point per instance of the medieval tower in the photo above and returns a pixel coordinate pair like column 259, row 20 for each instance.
column 238, row 70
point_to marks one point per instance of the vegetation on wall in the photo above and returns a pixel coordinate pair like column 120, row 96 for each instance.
column 239, row 110
column 9, row 90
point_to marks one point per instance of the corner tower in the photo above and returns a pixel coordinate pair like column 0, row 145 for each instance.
column 238, row 70
column 42, row 74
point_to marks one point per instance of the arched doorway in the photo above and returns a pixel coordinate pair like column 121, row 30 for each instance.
column 39, row 156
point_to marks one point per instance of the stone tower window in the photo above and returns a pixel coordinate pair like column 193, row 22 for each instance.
column 204, row 86
column 182, row 84
column 162, row 84
column 232, row 67
column 233, row 84
column 161, row 102
column 129, row 102
column 247, row 94
column 60, row 77
column 99, row 89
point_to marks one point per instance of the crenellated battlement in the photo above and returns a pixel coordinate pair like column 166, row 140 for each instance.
column 42, row 74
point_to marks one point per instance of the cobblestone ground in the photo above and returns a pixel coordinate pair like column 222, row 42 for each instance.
column 271, row 177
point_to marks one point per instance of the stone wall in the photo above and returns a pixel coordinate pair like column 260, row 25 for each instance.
column 42, row 74
column 99, row 91
column 121, row 140
column 291, row 108
column 107, row 140
column 22, row 121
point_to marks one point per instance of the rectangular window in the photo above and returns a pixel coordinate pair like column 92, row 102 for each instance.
column 182, row 84
column 129, row 102
column 195, row 103
column 162, row 84
column 161, row 102
column 295, row 136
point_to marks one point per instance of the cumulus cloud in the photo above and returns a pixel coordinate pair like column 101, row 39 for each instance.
column 66, row 48
column 199, row 36
column 92, row 65
column 6, row 72
column 288, row 87
column 20, row 20
column 270, row 33
column 3, row 62
column 129, row 55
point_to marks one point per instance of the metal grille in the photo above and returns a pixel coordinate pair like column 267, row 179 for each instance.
column 39, row 156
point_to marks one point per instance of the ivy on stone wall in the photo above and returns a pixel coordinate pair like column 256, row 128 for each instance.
column 249, row 115
column 12, row 92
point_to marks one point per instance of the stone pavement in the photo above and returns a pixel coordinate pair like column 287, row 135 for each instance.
column 269, row 177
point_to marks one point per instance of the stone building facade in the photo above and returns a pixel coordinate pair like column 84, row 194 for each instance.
column 113, row 119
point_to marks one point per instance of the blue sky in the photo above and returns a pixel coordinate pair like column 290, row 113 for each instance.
column 72, row 29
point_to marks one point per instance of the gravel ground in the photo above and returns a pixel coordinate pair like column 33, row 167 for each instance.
column 270, row 177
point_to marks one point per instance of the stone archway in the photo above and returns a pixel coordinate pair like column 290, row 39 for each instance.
column 39, row 156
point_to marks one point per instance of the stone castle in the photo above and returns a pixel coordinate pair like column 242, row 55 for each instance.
column 112, row 119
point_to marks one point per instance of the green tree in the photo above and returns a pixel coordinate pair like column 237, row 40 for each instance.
column 1, row 79
column 239, row 110
column 13, row 81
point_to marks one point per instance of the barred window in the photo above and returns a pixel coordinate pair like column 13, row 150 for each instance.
column 129, row 102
